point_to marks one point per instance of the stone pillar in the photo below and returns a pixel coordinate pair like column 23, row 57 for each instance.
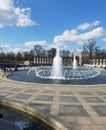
column 101, row 62
column 97, row 62
column 37, row 61
column 34, row 61
column 93, row 61
column 45, row 60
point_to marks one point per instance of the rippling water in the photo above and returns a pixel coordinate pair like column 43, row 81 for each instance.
column 22, row 120
column 96, row 77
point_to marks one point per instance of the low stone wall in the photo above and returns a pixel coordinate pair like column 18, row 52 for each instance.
column 44, row 117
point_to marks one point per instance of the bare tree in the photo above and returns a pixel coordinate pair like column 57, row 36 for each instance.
column 103, row 54
column 26, row 55
column 38, row 50
column 19, row 56
column 52, row 52
column 65, row 53
column 11, row 56
column 90, row 49
column 2, row 57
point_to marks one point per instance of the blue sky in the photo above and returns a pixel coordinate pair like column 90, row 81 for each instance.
column 68, row 24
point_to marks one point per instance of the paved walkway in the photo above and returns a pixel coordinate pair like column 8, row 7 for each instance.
column 79, row 107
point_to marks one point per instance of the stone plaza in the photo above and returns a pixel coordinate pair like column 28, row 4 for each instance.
column 81, row 107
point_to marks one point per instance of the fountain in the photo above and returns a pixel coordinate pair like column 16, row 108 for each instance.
column 59, row 74
column 75, row 63
column 57, row 68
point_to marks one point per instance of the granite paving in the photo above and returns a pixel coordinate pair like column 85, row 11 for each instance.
column 79, row 107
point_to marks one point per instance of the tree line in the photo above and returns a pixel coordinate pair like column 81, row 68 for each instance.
column 89, row 51
column 38, row 51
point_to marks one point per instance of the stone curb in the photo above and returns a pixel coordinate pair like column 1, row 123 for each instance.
column 44, row 117
column 5, row 78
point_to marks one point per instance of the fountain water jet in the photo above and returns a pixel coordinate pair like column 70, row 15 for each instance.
column 64, row 73
column 57, row 68
column 75, row 66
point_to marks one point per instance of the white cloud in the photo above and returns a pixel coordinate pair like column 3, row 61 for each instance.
column 104, row 39
column 7, row 48
column 4, row 46
column 84, row 26
column 6, row 4
column 11, row 15
column 77, row 36
column 95, row 33
column 95, row 23
column 67, row 36
column 16, row 50
column 32, row 43
column 88, row 25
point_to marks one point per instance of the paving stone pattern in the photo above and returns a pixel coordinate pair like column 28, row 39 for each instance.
column 83, row 107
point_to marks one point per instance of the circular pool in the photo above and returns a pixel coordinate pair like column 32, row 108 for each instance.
column 20, row 119
column 80, row 76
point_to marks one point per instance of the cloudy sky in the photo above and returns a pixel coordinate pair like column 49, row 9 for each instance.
column 68, row 24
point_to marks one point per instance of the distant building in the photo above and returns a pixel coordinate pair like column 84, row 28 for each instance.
column 28, row 63
column 78, row 55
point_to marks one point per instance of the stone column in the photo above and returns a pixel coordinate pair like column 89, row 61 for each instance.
column 97, row 62
column 34, row 61
column 37, row 61
column 104, row 62
column 101, row 62
column 42, row 60
column 45, row 60
column 93, row 61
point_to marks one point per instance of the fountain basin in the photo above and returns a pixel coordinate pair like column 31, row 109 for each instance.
column 28, row 118
column 14, row 119
column 42, row 75
column 7, row 125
